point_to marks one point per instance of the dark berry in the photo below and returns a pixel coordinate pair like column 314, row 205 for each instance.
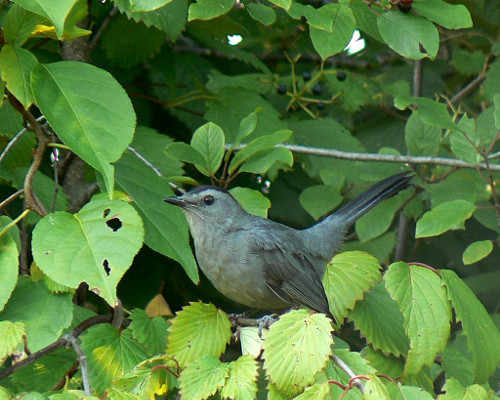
column 317, row 89
column 341, row 76
column 306, row 76
column 320, row 105
column 281, row 89
column 405, row 5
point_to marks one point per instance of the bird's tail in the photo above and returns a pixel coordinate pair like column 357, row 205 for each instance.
column 377, row 193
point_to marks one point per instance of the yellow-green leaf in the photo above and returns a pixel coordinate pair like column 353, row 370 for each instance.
column 426, row 311
column 477, row 251
column 296, row 348
column 198, row 330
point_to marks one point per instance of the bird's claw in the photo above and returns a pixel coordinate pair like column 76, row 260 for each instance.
column 265, row 322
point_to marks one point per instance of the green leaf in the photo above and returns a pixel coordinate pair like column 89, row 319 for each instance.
column 185, row 152
column 209, row 141
column 496, row 115
column 18, row 25
column 285, row 4
column 109, row 354
column 483, row 337
column 380, row 247
column 44, row 373
column 12, row 335
column 252, row 201
column 152, row 145
column 379, row 320
column 262, row 161
column 320, row 199
column 128, row 43
column 456, row 391
column 421, row 139
column 375, row 389
column 147, row 5
column 165, row 226
column 16, row 65
column 315, row 17
column 150, row 332
column 296, row 348
column 450, row 16
column 222, row 111
column 379, row 220
column 93, row 114
column 170, row 18
column 457, row 360
column 209, row 9
column 9, row 260
column 259, row 12
column 44, row 313
column 148, row 380
column 318, row 391
column 242, row 380
column 198, row 330
column 330, row 42
column 384, row 364
column 477, row 251
column 348, row 276
column 468, row 62
column 431, row 112
column 256, row 145
column 247, row 124
column 475, row 136
column 426, row 312
column 203, row 378
column 77, row 248
column 409, row 35
column 54, row 12
column 450, row 215
column 366, row 19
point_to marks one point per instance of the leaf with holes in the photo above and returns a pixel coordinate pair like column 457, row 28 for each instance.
column 96, row 245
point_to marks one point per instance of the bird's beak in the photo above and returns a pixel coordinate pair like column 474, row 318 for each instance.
column 176, row 201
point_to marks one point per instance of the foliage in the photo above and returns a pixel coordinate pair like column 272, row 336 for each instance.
column 106, row 107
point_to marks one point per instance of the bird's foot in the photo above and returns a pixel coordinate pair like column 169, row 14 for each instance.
column 266, row 321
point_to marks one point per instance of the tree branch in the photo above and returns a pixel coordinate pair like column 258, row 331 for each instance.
column 62, row 341
column 30, row 199
column 346, row 155
column 83, row 363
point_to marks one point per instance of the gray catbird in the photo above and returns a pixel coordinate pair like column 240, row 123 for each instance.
column 264, row 264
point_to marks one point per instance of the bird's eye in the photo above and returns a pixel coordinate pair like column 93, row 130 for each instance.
column 208, row 200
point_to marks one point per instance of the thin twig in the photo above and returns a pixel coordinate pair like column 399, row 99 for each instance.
column 14, row 222
column 12, row 197
column 346, row 155
column 344, row 367
column 145, row 161
column 103, row 27
column 83, row 363
column 14, row 140
column 173, row 186
column 468, row 88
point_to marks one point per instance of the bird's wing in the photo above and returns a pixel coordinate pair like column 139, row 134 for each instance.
column 289, row 273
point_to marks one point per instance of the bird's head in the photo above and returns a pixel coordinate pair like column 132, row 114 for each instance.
column 208, row 205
